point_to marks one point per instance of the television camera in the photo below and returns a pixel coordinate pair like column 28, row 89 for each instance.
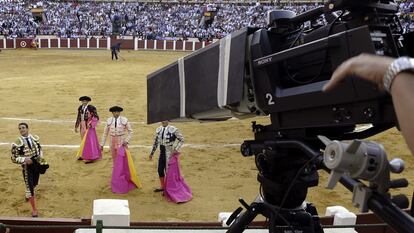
column 279, row 71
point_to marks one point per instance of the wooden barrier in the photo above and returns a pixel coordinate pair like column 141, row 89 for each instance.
column 50, row 225
column 22, row 43
column 9, row 44
column 100, row 43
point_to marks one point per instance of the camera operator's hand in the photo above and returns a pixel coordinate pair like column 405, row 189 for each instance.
column 365, row 66
column 373, row 68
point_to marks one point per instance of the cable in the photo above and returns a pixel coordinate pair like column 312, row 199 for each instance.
column 271, row 207
column 302, row 29
column 292, row 184
column 324, row 60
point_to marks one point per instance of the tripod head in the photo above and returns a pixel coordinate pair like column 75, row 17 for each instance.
column 283, row 163
column 366, row 161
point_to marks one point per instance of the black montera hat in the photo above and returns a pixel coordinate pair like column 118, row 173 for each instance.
column 87, row 98
column 116, row 109
column 91, row 108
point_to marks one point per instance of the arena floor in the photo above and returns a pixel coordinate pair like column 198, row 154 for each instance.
column 42, row 87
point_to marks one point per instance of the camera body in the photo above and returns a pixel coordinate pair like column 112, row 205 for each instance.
column 280, row 71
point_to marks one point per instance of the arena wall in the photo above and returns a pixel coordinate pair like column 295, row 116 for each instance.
column 99, row 43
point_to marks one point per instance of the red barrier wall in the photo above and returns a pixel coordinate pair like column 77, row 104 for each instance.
column 198, row 45
column 9, row 43
column 160, row 44
column 102, row 43
column 83, row 43
column 128, row 44
column 141, row 44
column 188, row 45
column 54, row 43
column 150, row 44
column 93, row 44
column 63, row 43
column 73, row 43
column 44, row 43
column 170, row 45
column 179, row 45
column 22, row 43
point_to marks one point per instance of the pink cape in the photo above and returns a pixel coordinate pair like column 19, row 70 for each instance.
column 176, row 189
column 91, row 148
column 121, row 181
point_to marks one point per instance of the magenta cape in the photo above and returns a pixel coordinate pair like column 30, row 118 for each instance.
column 176, row 189
column 124, row 177
column 90, row 148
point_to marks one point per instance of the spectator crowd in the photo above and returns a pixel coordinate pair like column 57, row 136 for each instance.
column 406, row 15
column 71, row 19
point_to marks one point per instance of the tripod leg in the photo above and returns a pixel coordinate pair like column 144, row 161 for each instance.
column 241, row 222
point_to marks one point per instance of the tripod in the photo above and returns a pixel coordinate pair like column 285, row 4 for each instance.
column 288, row 167
column 302, row 219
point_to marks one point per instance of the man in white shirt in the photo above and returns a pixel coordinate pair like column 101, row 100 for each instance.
column 119, row 130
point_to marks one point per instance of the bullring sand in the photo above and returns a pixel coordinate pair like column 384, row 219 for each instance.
column 42, row 87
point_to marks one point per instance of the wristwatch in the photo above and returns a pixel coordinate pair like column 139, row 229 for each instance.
column 397, row 66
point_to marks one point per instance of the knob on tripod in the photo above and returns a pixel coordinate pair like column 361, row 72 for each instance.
column 363, row 160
